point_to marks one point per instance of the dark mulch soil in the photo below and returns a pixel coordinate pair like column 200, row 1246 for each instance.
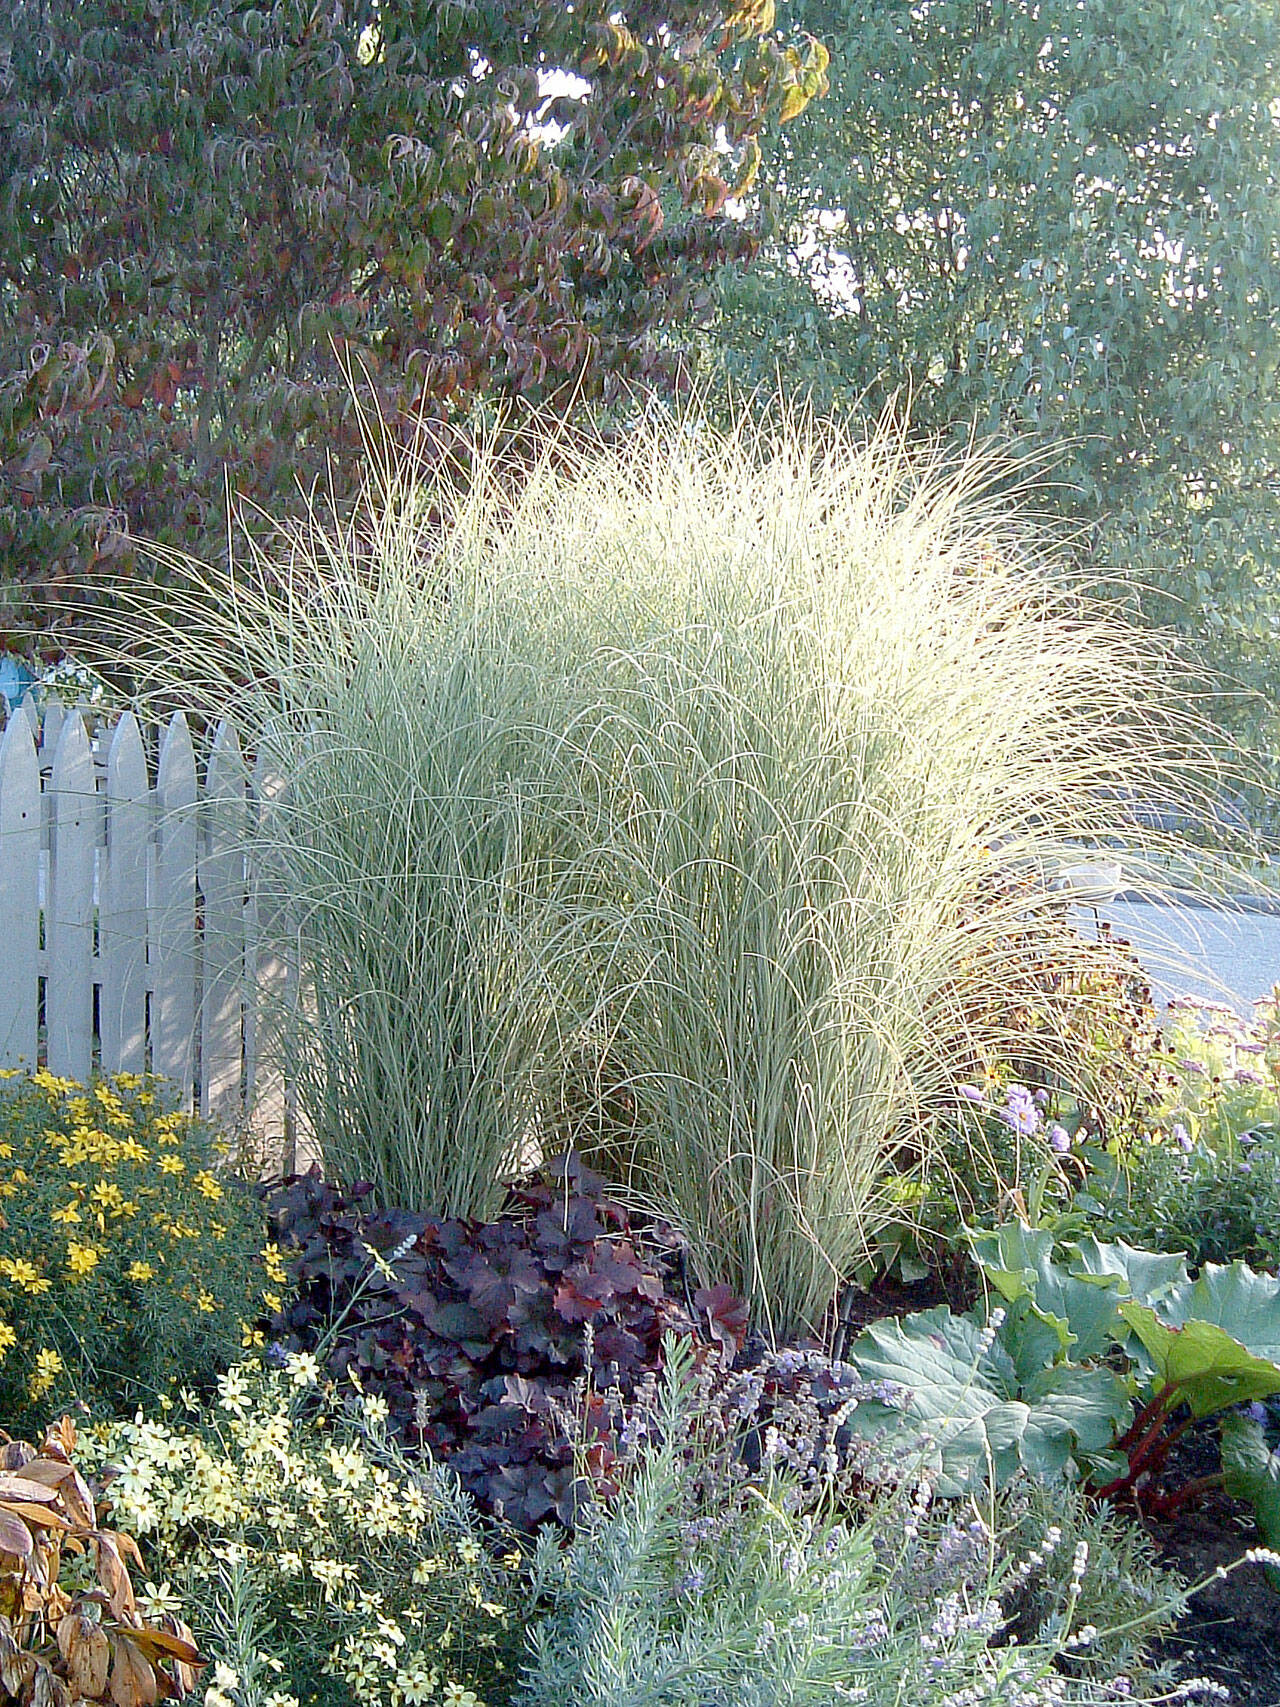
column 1231, row 1632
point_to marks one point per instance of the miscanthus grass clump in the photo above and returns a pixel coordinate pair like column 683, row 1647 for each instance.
column 694, row 796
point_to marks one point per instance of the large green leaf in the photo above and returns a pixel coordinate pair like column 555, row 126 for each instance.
column 1149, row 1276
column 1244, row 1304
column 964, row 1419
column 1209, row 1369
column 1018, row 1261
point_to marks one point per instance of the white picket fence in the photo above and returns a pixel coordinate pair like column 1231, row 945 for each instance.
column 129, row 927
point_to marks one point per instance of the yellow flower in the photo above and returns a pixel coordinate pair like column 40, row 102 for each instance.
column 48, row 1082
column 81, row 1259
column 6, row 1151
column 172, row 1164
column 132, row 1151
column 48, row 1364
column 69, row 1215
column 208, row 1186
column 205, row 1303
column 273, row 1264
column 20, row 1176
column 8, row 1339
column 141, row 1271
column 24, row 1275
column 252, row 1339
column 273, row 1301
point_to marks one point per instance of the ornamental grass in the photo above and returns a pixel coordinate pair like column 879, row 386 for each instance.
column 693, row 797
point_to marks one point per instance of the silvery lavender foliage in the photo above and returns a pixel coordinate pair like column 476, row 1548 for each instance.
column 707, row 1582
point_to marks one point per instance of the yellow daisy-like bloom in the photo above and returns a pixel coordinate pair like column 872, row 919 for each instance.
column 140, row 1271
column 205, row 1303
column 8, row 1339
column 24, row 1275
column 81, row 1259
column 172, row 1164
column 48, row 1364
column 207, row 1186
column 273, row 1264
column 48, row 1082
column 273, row 1301
column 132, row 1151
column 69, row 1215
column 6, row 1151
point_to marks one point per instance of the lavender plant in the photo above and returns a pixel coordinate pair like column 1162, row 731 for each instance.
column 703, row 1585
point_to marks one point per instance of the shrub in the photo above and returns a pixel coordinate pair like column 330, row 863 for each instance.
column 67, row 1633
column 661, row 785
column 1201, row 1173
column 490, row 1342
column 317, row 1565
column 698, row 1586
column 127, row 1250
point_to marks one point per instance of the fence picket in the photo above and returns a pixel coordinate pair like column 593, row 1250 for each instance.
column 173, row 912
column 110, row 886
column 19, row 893
column 222, row 885
column 122, row 907
column 74, row 815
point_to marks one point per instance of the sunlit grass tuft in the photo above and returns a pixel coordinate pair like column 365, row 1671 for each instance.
column 671, row 794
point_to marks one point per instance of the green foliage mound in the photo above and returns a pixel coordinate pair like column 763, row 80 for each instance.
column 128, row 1251
column 315, row 1564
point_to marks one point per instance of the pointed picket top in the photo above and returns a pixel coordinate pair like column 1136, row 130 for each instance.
column 122, row 915
column 51, row 728
column 73, row 819
column 32, row 713
column 19, row 893
column 72, row 751
column 176, row 784
column 127, row 761
column 18, row 752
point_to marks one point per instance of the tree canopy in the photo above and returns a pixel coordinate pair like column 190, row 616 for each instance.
column 1060, row 220
column 214, row 212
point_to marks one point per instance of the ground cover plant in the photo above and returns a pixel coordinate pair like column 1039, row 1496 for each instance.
column 654, row 791
column 128, row 1250
column 1096, row 1360
column 698, row 1584
column 315, row 1563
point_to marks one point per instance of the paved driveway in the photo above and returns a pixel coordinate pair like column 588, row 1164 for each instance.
column 1225, row 955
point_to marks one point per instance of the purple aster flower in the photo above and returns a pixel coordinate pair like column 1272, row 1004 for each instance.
column 1182, row 1138
column 1020, row 1113
column 971, row 1093
column 1059, row 1140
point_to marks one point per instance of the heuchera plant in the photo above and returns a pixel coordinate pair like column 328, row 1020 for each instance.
column 495, row 1344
